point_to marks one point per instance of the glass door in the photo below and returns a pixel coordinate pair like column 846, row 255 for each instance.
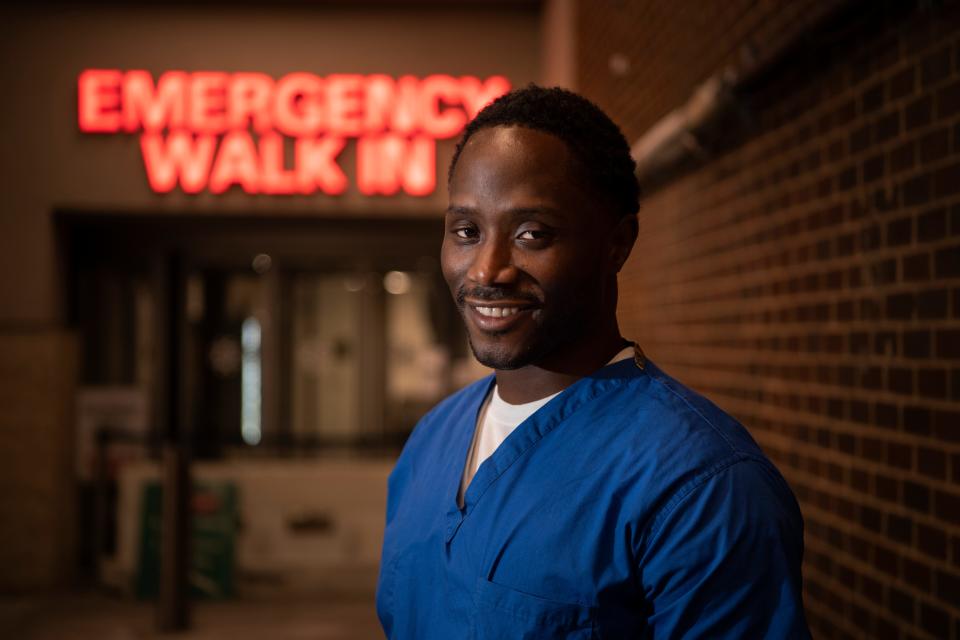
column 301, row 336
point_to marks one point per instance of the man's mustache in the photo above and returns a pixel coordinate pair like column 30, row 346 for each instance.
column 493, row 294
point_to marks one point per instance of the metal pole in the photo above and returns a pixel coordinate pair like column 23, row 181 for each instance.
column 173, row 607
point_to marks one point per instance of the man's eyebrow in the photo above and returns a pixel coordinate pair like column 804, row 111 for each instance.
column 526, row 211
column 458, row 210
column 516, row 211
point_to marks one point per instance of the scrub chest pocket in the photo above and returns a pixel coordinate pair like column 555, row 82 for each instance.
column 501, row 613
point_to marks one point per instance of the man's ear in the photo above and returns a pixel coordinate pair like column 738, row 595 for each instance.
column 622, row 240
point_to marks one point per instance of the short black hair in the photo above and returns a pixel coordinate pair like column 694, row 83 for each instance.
column 595, row 140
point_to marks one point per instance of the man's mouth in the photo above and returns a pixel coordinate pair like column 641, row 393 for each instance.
column 499, row 316
column 496, row 312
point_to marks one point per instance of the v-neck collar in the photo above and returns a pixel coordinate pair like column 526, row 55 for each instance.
column 526, row 435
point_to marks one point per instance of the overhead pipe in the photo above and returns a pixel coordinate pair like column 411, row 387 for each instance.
column 717, row 115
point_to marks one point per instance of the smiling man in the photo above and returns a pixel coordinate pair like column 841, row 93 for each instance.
column 579, row 492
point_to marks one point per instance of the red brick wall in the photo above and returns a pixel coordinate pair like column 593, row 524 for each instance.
column 808, row 280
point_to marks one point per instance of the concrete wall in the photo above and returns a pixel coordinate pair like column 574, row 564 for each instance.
column 37, row 492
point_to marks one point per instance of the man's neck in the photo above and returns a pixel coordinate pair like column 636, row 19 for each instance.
column 558, row 371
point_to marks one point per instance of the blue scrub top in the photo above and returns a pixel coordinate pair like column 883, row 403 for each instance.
column 628, row 506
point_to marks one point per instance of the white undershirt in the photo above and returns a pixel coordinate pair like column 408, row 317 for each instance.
column 497, row 420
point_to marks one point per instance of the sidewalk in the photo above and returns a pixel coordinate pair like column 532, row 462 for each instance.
column 94, row 616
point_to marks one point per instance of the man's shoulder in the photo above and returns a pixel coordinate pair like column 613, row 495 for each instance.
column 659, row 408
column 668, row 450
column 658, row 423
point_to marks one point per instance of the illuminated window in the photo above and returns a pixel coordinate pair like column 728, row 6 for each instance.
column 250, row 389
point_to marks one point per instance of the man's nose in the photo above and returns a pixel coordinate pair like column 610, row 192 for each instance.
column 493, row 264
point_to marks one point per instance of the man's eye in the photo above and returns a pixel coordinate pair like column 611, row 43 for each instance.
column 532, row 234
column 466, row 233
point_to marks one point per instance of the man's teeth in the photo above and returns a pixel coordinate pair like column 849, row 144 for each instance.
column 497, row 312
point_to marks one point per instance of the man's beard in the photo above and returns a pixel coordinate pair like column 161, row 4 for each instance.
column 497, row 357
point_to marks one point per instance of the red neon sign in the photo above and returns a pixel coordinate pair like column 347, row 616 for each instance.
column 210, row 130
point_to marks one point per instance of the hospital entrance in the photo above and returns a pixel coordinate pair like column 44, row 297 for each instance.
column 305, row 351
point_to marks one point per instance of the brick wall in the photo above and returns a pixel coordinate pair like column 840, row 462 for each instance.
column 673, row 46
column 808, row 280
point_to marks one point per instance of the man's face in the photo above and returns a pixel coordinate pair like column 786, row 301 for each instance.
column 526, row 250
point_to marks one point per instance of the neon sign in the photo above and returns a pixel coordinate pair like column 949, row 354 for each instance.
column 210, row 130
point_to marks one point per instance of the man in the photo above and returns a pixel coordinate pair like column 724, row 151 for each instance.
column 579, row 492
